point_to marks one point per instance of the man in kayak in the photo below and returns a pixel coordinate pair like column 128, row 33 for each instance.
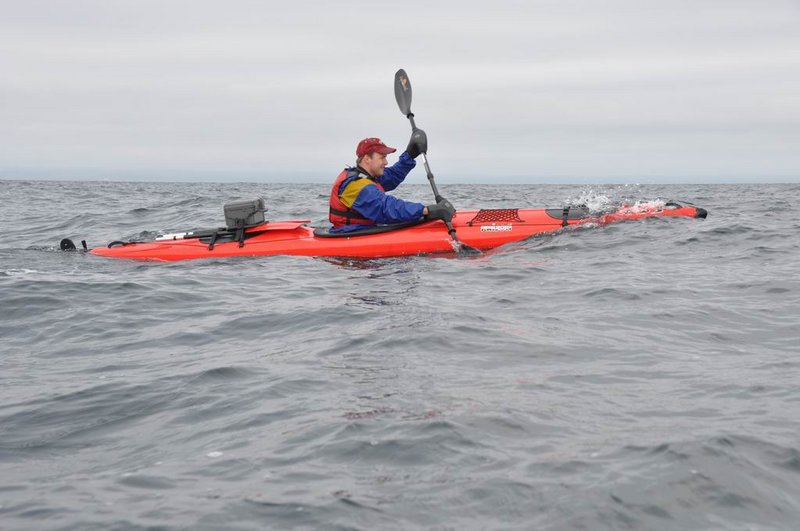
column 358, row 196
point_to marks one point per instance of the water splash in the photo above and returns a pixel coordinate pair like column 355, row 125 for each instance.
column 593, row 201
column 600, row 203
column 646, row 206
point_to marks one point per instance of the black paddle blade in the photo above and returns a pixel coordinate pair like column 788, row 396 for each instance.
column 462, row 248
column 467, row 250
column 402, row 91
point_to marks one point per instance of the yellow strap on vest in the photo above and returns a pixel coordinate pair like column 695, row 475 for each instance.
column 351, row 191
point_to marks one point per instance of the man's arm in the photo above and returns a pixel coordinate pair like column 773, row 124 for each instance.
column 385, row 209
column 396, row 173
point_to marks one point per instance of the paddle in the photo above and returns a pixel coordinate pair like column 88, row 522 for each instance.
column 402, row 93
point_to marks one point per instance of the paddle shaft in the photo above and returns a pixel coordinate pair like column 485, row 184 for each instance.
column 428, row 171
column 450, row 229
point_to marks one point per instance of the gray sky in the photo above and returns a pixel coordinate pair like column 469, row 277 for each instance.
column 524, row 91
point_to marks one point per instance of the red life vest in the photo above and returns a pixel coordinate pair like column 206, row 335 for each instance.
column 339, row 214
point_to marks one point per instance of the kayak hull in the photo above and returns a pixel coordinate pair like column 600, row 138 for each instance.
column 484, row 230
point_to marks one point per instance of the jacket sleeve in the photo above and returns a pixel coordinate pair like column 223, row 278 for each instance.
column 396, row 173
column 384, row 209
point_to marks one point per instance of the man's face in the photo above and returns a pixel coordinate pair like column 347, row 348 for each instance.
column 374, row 163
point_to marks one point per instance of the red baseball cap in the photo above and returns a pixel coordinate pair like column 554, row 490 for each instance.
column 373, row 145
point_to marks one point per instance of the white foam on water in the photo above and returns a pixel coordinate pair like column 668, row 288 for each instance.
column 20, row 272
column 595, row 202
column 647, row 206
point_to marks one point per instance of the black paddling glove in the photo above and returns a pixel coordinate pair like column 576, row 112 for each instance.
column 442, row 210
column 418, row 143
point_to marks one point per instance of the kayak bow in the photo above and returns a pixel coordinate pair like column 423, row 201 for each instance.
column 481, row 229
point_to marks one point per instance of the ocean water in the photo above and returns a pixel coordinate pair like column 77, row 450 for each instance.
column 643, row 375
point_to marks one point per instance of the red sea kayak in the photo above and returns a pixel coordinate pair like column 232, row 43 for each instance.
column 481, row 229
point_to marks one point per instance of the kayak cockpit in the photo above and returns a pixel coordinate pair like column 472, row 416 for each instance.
column 324, row 232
